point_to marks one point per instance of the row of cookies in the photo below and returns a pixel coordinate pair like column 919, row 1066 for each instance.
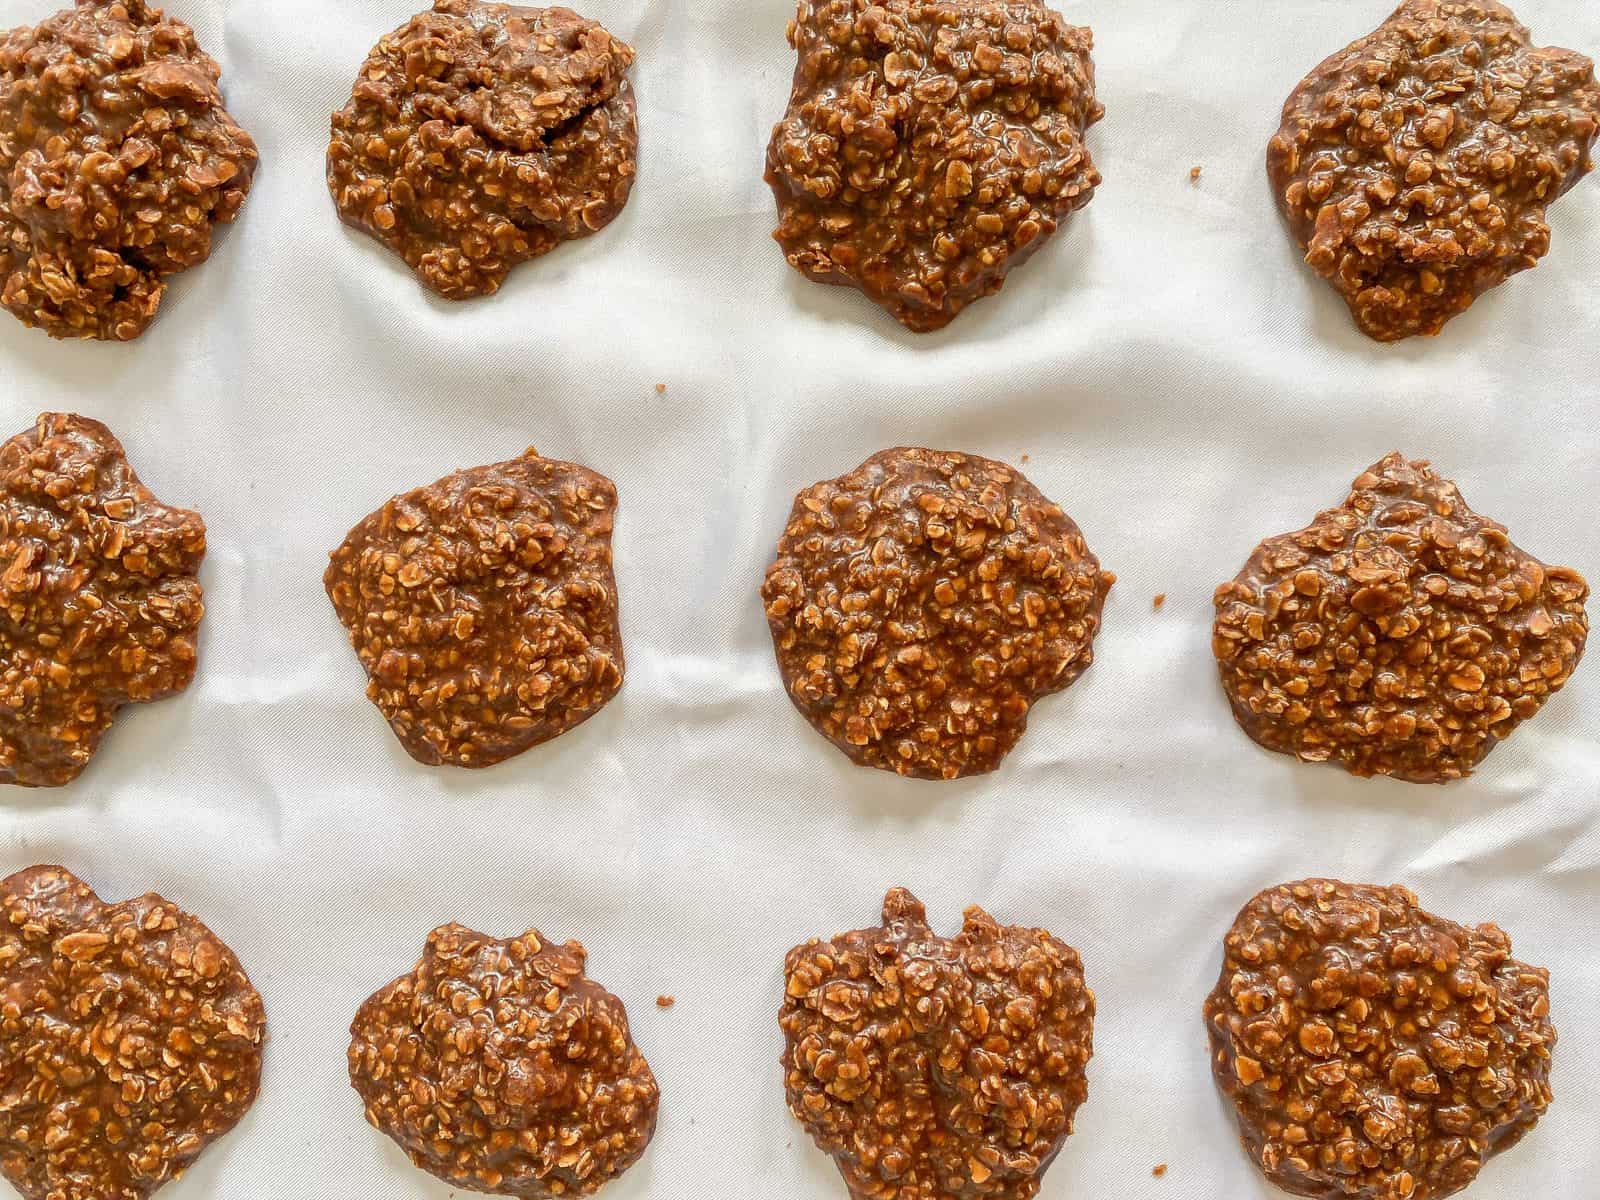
column 919, row 605
column 927, row 148
column 1371, row 1050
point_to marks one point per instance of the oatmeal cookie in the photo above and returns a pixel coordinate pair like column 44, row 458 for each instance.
column 480, row 135
column 117, row 160
column 1399, row 634
column 922, row 603
column 1415, row 166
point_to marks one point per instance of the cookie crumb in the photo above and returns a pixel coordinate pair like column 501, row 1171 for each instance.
column 1160, row 1169
column 1161, row 598
column 1024, row 458
column 1194, row 174
column 666, row 1001
column 661, row 389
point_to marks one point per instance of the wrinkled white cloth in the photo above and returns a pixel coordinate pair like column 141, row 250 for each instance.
column 1170, row 373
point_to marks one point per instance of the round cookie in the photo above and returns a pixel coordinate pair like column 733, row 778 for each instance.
column 482, row 135
column 930, row 146
column 117, row 159
column 1400, row 634
column 932, row 1068
column 130, row 1039
column 1373, row 1051
column 484, row 609
column 920, row 604
column 499, row 1067
column 100, row 604
column 1415, row 166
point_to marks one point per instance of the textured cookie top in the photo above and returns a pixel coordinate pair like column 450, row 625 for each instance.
column 116, row 159
column 930, row 146
column 920, row 604
column 484, row 609
column 936, row 1068
column 498, row 1067
column 99, row 600
column 1374, row 1051
column 482, row 135
column 1415, row 166
column 1398, row 634
column 130, row 1040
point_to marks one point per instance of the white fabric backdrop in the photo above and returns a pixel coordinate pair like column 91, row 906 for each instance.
column 1179, row 384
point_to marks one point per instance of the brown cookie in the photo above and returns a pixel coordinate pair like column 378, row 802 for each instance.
column 1373, row 1051
column 484, row 609
column 1399, row 634
column 482, row 135
column 116, row 161
column 130, row 1040
column 920, row 604
column 936, row 1068
column 99, row 600
column 499, row 1067
column 930, row 146
column 1415, row 166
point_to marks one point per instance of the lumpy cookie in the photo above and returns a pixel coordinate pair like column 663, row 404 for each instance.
column 499, row 1067
column 100, row 601
column 930, row 146
column 935, row 1068
column 1415, row 166
column 482, row 135
column 484, row 609
column 1373, row 1051
column 1398, row 634
column 117, row 159
column 920, row 604
column 130, row 1039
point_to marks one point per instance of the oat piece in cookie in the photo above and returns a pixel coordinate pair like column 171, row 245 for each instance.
column 130, row 1040
column 1415, row 166
column 920, row 604
column 1399, row 634
column 484, row 609
column 482, row 135
column 936, row 1068
column 116, row 161
column 99, row 601
column 499, row 1067
column 1373, row 1051
column 930, row 146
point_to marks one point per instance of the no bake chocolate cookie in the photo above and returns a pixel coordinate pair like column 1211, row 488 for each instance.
column 1399, row 634
column 1373, row 1051
column 130, row 1040
column 484, row 609
column 935, row 1068
column 1415, row 166
column 100, row 605
column 499, row 1067
column 920, row 604
column 930, row 147
column 117, row 160
column 482, row 135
